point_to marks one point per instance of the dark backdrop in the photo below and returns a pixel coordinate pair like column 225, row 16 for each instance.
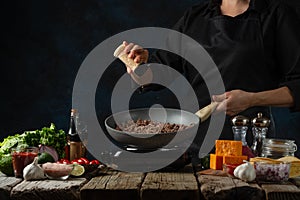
column 43, row 44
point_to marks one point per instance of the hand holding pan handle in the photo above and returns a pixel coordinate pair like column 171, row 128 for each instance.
column 205, row 112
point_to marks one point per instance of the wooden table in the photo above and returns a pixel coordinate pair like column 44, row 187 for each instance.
column 185, row 184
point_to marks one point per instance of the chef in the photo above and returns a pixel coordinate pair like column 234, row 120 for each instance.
column 256, row 46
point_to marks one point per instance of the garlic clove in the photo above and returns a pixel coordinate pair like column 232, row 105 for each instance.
column 33, row 171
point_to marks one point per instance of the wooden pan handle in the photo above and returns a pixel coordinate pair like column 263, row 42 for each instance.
column 205, row 112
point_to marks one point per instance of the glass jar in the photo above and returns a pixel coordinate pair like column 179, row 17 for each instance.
column 277, row 148
column 21, row 157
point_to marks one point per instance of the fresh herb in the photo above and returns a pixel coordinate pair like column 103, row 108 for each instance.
column 49, row 136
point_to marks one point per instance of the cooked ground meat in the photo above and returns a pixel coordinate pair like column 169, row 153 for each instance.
column 148, row 126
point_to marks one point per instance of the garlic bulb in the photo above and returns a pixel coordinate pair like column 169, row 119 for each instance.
column 245, row 172
column 33, row 171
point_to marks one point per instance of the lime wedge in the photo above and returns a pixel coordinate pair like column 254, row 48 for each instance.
column 78, row 170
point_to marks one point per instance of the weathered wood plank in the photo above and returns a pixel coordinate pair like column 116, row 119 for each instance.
column 6, row 185
column 113, row 185
column 166, row 185
column 48, row 189
column 296, row 181
column 286, row 191
column 220, row 187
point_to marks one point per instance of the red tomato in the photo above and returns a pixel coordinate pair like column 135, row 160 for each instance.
column 229, row 168
column 63, row 161
column 86, row 161
column 94, row 162
column 78, row 161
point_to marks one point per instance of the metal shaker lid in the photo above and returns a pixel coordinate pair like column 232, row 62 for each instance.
column 240, row 120
column 260, row 121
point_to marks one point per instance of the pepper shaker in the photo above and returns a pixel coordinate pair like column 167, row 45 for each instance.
column 240, row 125
column 260, row 126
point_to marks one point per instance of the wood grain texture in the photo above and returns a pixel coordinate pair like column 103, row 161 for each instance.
column 113, row 185
column 6, row 185
column 296, row 181
column 284, row 191
column 216, row 187
column 48, row 189
column 170, row 186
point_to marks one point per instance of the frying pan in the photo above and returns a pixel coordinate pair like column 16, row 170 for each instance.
column 149, row 141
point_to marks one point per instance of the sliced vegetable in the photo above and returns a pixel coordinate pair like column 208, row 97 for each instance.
column 78, row 170
column 49, row 150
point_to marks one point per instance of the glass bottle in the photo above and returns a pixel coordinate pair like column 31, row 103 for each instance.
column 75, row 145
column 240, row 126
column 260, row 126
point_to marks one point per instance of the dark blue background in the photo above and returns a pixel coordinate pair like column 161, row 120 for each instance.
column 43, row 44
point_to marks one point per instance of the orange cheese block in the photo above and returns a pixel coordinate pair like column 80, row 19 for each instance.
column 232, row 160
column 216, row 162
column 228, row 147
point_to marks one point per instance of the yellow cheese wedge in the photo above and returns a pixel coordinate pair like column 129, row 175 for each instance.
column 228, row 147
column 232, row 160
column 216, row 162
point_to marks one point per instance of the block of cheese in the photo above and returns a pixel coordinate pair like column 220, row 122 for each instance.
column 228, row 147
column 216, row 162
column 295, row 165
column 233, row 160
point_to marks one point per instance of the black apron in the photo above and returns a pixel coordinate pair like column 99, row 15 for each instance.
column 236, row 46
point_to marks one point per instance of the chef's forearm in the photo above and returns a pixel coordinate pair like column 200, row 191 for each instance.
column 281, row 97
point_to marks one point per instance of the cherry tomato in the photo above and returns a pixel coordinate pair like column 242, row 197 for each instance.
column 85, row 160
column 229, row 168
column 78, row 161
column 63, row 161
column 94, row 162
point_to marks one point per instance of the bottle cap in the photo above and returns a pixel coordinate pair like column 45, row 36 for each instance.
column 260, row 121
column 240, row 120
column 73, row 110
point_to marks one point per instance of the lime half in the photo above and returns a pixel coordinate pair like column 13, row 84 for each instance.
column 78, row 170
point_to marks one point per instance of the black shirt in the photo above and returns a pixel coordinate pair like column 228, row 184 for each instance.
column 255, row 51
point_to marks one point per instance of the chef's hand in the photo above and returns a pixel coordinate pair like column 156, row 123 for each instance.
column 233, row 102
column 135, row 52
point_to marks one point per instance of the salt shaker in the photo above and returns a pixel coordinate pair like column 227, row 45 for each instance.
column 239, row 127
column 260, row 126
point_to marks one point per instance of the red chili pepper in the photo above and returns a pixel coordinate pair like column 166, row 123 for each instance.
column 94, row 162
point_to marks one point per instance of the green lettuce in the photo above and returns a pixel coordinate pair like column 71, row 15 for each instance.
column 49, row 136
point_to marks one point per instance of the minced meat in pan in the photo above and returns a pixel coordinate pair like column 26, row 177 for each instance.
column 148, row 126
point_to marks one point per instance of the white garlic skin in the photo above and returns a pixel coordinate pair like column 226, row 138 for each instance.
column 33, row 171
column 245, row 172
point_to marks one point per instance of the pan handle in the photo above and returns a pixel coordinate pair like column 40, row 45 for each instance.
column 205, row 112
